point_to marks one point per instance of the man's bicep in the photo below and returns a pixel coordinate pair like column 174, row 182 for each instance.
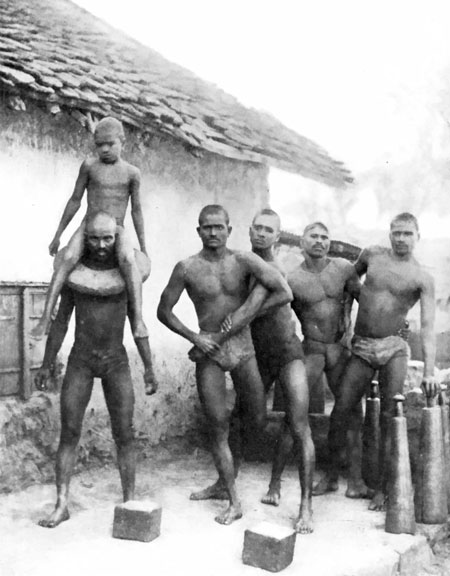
column 267, row 275
column 362, row 263
column 172, row 292
column 66, row 306
column 427, row 303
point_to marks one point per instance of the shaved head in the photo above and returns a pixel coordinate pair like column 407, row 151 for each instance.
column 100, row 220
column 110, row 125
column 315, row 225
column 268, row 212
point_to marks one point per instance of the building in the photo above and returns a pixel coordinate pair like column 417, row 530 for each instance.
column 61, row 70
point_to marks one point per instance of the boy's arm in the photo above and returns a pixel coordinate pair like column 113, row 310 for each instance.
column 72, row 206
column 58, row 331
column 136, row 208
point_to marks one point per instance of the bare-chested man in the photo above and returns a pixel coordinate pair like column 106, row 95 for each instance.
column 280, row 357
column 394, row 282
column 320, row 286
column 98, row 351
column 217, row 281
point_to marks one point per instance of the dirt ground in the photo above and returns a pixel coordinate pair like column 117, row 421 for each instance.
column 348, row 539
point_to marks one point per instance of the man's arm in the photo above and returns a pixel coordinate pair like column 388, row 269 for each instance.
column 271, row 291
column 353, row 283
column 58, row 331
column 136, row 208
column 169, row 297
column 427, row 335
column 362, row 263
column 72, row 206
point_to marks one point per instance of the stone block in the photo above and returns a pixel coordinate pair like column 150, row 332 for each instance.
column 269, row 546
column 135, row 520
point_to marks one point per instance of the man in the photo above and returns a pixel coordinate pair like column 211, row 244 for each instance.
column 217, row 281
column 98, row 351
column 394, row 282
column 280, row 357
column 320, row 286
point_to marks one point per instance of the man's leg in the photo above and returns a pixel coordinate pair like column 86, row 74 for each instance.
column 75, row 393
column 314, row 364
column 119, row 396
column 64, row 266
column 295, row 387
column 133, row 280
column 392, row 379
column 356, row 377
column 212, row 392
column 337, row 358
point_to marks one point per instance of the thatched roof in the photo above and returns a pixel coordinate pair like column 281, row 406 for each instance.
column 60, row 55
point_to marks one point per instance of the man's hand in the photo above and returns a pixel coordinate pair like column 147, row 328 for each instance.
column 405, row 332
column 41, row 378
column 430, row 386
column 54, row 246
column 151, row 385
column 226, row 324
column 206, row 343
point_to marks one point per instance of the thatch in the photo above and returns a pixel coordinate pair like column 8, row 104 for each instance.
column 60, row 55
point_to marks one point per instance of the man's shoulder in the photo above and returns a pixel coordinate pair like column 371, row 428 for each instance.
column 342, row 264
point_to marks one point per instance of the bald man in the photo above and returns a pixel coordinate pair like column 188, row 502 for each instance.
column 97, row 352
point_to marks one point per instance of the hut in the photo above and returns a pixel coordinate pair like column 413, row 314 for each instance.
column 61, row 70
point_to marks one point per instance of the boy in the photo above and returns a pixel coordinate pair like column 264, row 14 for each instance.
column 110, row 182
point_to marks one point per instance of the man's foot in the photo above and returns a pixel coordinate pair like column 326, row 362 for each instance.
column 378, row 502
column 356, row 489
column 273, row 494
column 59, row 514
column 304, row 524
column 140, row 329
column 325, row 485
column 232, row 513
column 40, row 331
column 215, row 492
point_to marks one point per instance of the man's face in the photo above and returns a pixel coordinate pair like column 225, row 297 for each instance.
column 264, row 231
column 214, row 231
column 316, row 242
column 100, row 239
column 403, row 237
column 108, row 145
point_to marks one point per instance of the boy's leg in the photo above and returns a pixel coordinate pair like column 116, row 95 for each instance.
column 70, row 258
column 132, row 276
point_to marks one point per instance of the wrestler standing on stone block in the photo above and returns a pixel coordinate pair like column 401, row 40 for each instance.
column 394, row 282
column 98, row 352
column 110, row 183
column 217, row 281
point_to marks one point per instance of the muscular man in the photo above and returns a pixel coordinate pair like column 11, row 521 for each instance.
column 217, row 281
column 394, row 282
column 320, row 285
column 280, row 357
column 98, row 351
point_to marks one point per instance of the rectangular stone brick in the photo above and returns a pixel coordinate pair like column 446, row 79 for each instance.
column 136, row 520
column 269, row 546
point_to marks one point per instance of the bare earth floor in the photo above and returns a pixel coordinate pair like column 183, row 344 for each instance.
column 348, row 539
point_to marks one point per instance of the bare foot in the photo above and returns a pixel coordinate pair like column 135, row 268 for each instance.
column 273, row 494
column 325, row 485
column 378, row 501
column 356, row 489
column 40, row 331
column 304, row 524
column 215, row 492
column 59, row 514
column 140, row 329
column 232, row 513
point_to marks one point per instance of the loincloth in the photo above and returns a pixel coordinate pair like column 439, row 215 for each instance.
column 100, row 363
column 273, row 353
column 379, row 351
column 233, row 352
